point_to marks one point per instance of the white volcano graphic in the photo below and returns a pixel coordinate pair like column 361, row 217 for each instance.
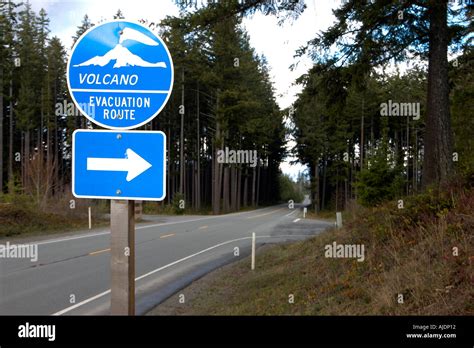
column 122, row 56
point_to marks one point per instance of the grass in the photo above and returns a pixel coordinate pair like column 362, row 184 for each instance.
column 327, row 215
column 20, row 217
column 407, row 251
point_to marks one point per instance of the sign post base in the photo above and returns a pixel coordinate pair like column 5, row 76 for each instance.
column 122, row 260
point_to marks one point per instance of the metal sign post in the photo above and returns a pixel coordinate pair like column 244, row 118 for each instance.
column 122, row 260
column 120, row 76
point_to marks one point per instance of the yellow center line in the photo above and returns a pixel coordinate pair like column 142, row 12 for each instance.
column 256, row 216
column 99, row 251
column 203, row 227
column 167, row 235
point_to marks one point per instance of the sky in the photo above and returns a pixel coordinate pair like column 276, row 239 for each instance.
column 277, row 42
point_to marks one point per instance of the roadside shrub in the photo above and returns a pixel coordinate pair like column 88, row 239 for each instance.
column 176, row 204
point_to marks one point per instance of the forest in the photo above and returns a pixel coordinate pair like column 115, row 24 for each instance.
column 223, row 98
column 387, row 115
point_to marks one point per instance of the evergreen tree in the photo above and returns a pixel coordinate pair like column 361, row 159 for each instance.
column 86, row 24
column 382, row 31
column 119, row 15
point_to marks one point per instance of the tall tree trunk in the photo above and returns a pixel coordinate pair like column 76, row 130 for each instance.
column 345, row 193
column 372, row 140
column 22, row 159
column 258, row 184
column 246, row 179
column 1, row 129
column 239, row 187
column 323, row 198
column 198, row 155
column 361, row 141
column 213, row 177
column 254, row 179
column 188, row 183
column 226, row 189
column 396, row 147
column 233, row 203
column 316, row 187
column 38, row 163
column 408, row 156
column 437, row 161
column 193, row 185
column 217, row 171
column 207, row 192
column 57, row 164
column 415, row 161
column 231, row 187
column 57, row 145
column 26, row 162
column 181, row 138
column 10, row 142
column 337, row 188
column 236, row 187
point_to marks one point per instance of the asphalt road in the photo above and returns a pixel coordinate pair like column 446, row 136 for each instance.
column 171, row 252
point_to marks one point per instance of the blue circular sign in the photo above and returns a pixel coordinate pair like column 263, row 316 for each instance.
column 120, row 74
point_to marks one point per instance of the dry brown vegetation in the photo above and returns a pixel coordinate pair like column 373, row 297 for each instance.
column 408, row 251
column 22, row 216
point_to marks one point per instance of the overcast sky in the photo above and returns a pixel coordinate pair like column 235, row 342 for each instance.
column 277, row 43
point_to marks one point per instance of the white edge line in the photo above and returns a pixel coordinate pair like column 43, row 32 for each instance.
column 68, row 309
column 138, row 228
column 82, row 303
column 69, row 238
column 148, row 274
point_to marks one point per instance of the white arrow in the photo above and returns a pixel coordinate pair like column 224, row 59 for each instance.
column 132, row 163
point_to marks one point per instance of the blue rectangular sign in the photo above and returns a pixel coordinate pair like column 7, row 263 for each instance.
column 119, row 164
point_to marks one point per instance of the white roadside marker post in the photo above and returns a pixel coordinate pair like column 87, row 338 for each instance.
column 339, row 219
column 90, row 218
column 253, row 251
column 304, row 212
